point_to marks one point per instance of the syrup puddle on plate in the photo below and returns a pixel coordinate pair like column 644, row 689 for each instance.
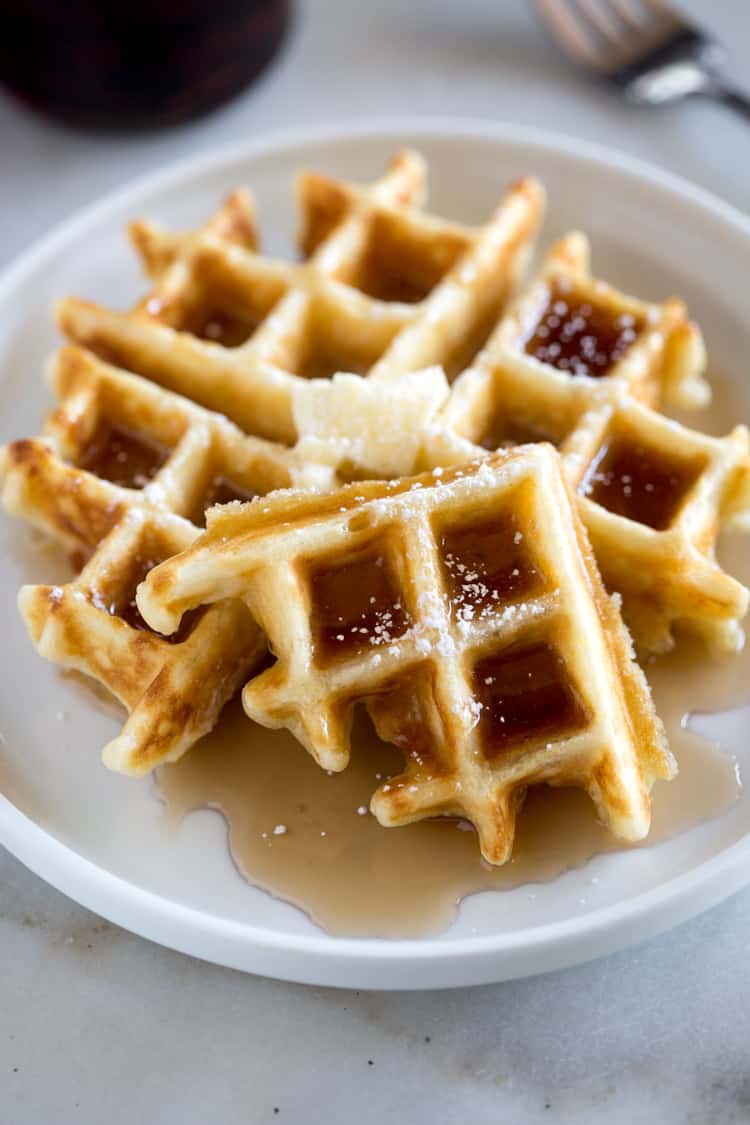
column 332, row 859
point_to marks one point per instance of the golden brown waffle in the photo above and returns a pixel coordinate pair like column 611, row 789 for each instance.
column 571, row 329
column 576, row 363
column 121, row 476
column 650, row 352
column 464, row 608
column 653, row 494
column 383, row 289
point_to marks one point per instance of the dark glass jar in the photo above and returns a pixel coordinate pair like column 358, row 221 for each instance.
column 135, row 63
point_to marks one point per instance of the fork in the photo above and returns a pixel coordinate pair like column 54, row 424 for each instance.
column 645, row 48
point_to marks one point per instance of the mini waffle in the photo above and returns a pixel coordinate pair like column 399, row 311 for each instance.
column 122, row 476
column 464, row 608
column 383, row 289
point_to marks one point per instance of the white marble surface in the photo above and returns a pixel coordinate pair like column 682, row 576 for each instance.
column 97, row 1025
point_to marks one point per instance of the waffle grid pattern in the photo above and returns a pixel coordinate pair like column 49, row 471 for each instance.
column 176, row 458
column 410, row 644
column 662, row 562
column 383, row 289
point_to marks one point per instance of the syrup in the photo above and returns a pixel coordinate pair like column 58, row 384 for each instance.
column 354, row 605
column 125, row 605
column 634, row 481
column 526, row 696
column 488, row 563
column 576, row 336
column 123, row 457
column 354, row 878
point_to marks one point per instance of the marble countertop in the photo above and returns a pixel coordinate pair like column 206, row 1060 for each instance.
column 98, row 1025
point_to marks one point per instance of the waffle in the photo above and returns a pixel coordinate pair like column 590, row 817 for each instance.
column 464, row 608
column 657, row 355
column 567, row 323
column 383, row 289
column 653, row 494
column 121, row 477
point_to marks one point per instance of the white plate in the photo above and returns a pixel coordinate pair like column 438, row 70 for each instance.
column 102, row 839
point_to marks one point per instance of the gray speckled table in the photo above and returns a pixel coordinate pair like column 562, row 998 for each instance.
column 96, row 1025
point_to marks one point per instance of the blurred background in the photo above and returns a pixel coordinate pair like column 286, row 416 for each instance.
column 307, row 62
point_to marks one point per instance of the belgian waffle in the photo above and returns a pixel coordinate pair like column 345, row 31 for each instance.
column 121, row 477
column 465, row 609
column 383, row 289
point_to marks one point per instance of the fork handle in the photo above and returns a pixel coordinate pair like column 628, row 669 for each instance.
column 729, row 96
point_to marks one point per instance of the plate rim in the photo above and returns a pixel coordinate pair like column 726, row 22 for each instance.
column 320, row 958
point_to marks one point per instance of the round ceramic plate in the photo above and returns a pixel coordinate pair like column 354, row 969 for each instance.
column 103, row 839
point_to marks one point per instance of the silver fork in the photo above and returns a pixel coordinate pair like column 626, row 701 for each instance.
column 644, row 48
